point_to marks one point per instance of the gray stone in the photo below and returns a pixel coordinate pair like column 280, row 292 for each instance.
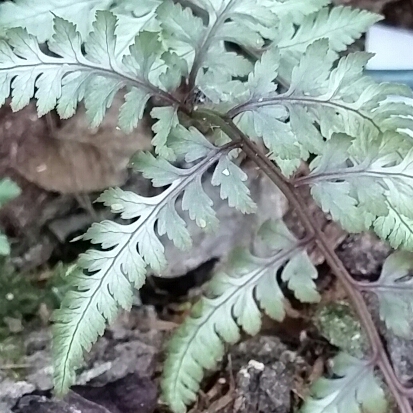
column 263, row 388
column 265, row 375
column 11, row 392
column 121, row 353
column 401, row 354
column 72, row 404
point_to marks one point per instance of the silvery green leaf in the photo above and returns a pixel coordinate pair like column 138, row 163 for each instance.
column 158, row 170
column 171, row 224
column 94, row 73
column 199, row 206
column 134, row 18
column 105, row 279
column 340, row 25
column 276, row 235
column 353, row 390
column 234, row 302
column 299, row 274
column 339, row 100
column 37, row 16
column 231, row 179
column 189, row 143
column 296, row 10
column 394, row 289
column 240, row 22
column 167, row 120
column 363, row 184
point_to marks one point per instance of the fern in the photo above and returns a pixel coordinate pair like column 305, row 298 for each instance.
column 219, row 78
column 228, row 20
column 353, row 390
column 366, row 184
column 234, row 301
column 394, row 290
column 106, row 277
column 62, row 81
column 337, row 100
column 37, row 17
column 340, row 25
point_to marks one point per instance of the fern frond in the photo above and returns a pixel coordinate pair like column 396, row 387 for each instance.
column 295, row 11
column 364, row 184
column 105, row 279
column 37, row 16
column 354, row 389
column 340, row 25
column 335, row 100
column 236, row 21
column 234, row 301
column 134, row 17
column 95, row 75
column 394, row 289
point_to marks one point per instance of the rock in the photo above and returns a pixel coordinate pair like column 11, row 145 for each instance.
column 263, row 388
column 337, row 322
column 118, row 361
column 265, row 375
column 401, row 354
column 72, row 404
column 11, row 392
column 264, row 349
column 117, row 355
column 363, row 255
column 132, row 394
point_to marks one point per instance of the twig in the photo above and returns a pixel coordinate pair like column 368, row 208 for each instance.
column 379, row 355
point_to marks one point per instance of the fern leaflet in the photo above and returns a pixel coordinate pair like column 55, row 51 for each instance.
column 37, row 16
column 95, row 76
column 236, row 21
column 235, row 298
column 394, row 290
column 335, row 100
column 105, row 278
column 353, row 390
column 340, row 25
column 364, row 184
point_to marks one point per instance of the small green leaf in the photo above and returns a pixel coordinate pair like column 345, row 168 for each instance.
column 231, row 178
column 299, row 274
column 189, row 143
column 167, row 120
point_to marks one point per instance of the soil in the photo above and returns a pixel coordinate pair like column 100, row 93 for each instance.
column 61, row 166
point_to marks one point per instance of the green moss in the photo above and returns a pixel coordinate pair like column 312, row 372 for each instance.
column 21, row 295
column 338, row 324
